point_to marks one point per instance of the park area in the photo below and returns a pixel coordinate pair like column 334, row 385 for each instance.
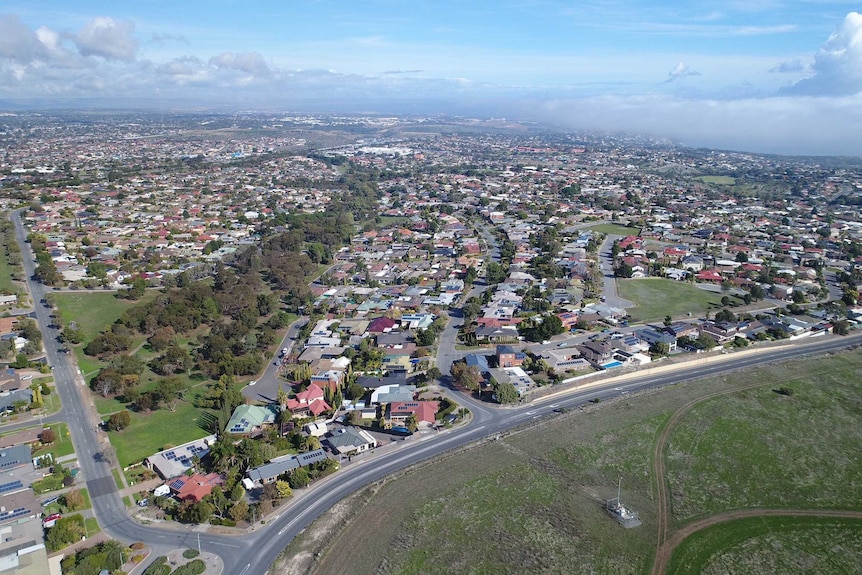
column 532, row 500
column 149, row 431
column 656, row 298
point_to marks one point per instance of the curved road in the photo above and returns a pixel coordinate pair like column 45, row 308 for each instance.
column 253, row 553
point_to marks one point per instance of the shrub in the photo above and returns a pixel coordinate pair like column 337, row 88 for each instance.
column 195, row 567
column 158, row 567
column 190, row 553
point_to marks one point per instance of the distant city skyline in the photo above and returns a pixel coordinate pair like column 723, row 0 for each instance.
column 761, row 75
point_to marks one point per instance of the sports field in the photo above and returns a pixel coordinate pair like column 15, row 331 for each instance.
column 659, row 297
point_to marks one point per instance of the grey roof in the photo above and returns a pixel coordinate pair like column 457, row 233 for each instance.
column 14, row 456
column 6, row 401
column 346, row 437
column 276, row 467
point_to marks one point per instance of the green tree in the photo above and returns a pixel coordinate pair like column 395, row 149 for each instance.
column 239, row 511
column 506, row 393
column 120, row 420
column 283, row 489
column 298, row 478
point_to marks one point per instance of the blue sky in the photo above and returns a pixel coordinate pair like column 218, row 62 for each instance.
column 765, row 75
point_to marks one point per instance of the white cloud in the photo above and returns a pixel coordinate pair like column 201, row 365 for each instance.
column 18, row 43
column 108, row 39
column 248, row 62
column 788, row 66
column 681, row 70
column 838, row 64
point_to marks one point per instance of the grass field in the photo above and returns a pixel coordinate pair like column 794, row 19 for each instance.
column 721, row 180
column 734, row 451
column 6, row 283
column 772, row 545
column 531, row 501
column 658, row 297
column 615, row 229
column 93, row 311
column 150, row 432
column 62, row 444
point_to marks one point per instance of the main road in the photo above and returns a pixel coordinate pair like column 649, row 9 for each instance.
column 254, row 552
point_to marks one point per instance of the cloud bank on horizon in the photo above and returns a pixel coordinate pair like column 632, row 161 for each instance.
column 772, row 76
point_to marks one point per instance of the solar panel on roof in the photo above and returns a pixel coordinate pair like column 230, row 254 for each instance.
column 177, row 484
column 11, row 486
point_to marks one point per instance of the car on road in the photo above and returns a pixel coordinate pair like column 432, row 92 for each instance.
column 564, row 344
column 252, row 382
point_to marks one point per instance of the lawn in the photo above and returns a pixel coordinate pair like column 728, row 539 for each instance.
column 767, row 545
column 6, row 284
column 151, row 432
column 531, row 501
column 658, row 297
column 61, row 446
column 720, row 180
column 615, row 229
column 93, row 311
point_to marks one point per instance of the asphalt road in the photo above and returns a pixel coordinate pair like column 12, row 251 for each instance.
column 266, row 387
column 606, row 263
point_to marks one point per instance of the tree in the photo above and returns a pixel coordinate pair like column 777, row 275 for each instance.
column 239, row 511
column 466, row 376
column 73, row 500
column 706, row 342
column 412, row 423
column 660, row 349
column 283, row 489
column 120, row 420
column 425, row 337
column 47, row 436
column 298, row 478
column 506, row 393
column 170, row 390
column 725, row 316
column 841, row 327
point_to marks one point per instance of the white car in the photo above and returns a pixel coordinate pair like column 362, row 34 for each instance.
column 252, row 382
column 26, row 377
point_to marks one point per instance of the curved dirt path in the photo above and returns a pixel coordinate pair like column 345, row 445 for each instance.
column 663, row 547
column 670, row 545
column 660, row 472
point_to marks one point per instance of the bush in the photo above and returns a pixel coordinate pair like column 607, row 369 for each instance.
column 195, row 567
column 158, row 567
column 190, row 553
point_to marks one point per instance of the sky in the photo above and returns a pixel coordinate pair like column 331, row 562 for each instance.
column 775, row 76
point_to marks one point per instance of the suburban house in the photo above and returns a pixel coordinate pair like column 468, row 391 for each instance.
column 514, row 375
column 176, row 460
column 251, row 419
column 351, row 440
column 654, row 336
column 508, row 357
column 308, row 403
column 194, row 487
column 269, row 472
column 399, row 411
column 596, row 352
